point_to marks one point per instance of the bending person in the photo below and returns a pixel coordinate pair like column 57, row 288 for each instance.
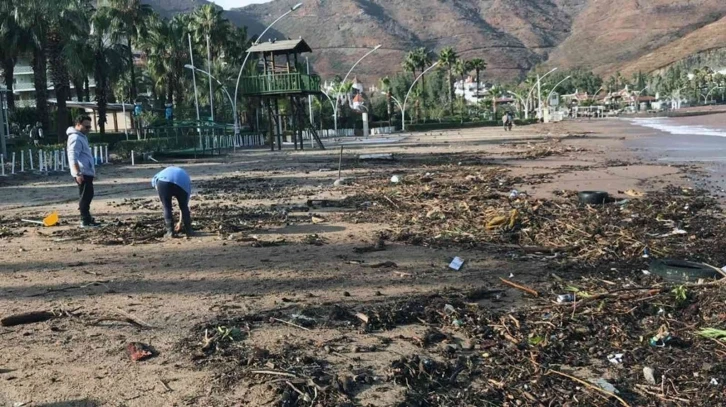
column 174, row 182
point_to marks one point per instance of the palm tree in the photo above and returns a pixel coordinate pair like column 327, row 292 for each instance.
column 461, row 68
column 130, row 20
column 409, row 63
column 30, row 16
column 109, row 61
column 496, row 93
column 168, row 53
column 478, row 65
column 67, row 22
column 447, row 59
column 12, row 43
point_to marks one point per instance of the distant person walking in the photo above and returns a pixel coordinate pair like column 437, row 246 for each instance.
column 174, row 182
column 83, row 170
column 36, row 133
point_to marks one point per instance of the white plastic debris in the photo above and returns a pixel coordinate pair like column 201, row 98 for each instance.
column 649, row 375
column 396, row 179
column 603, row 384
column 714, row 382
column 514, row 194
column 616, row 358
column 456, row 263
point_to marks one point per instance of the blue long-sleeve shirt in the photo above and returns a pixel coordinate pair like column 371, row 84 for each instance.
column 175, row 175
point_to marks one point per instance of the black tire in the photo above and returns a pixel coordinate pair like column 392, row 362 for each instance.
column 593, row 197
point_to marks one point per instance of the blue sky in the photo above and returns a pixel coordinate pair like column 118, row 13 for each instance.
column 228, row 4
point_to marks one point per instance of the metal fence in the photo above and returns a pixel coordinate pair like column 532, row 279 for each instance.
column 331, row 133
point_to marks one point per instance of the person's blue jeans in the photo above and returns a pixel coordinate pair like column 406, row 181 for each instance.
column 169, row 190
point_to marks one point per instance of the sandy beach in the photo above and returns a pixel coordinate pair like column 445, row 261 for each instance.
column 172, row 288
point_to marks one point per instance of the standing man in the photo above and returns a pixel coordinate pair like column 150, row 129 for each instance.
column 80, row 162
column 174, row 182
column 35, row 134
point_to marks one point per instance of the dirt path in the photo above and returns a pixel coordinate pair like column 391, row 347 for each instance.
column 279, row 259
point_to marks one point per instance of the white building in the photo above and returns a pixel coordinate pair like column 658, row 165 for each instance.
column 24, row 86
column 468, row 89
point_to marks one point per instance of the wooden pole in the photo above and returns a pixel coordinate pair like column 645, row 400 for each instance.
column 340, row 161
column 278, row 125
column 271, row 122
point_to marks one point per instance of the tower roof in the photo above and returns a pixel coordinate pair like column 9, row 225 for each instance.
column 297, row 46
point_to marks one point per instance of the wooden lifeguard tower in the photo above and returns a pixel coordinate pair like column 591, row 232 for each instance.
column 279, row 76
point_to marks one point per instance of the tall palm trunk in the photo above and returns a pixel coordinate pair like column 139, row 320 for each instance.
column 451, row 91
column 8, row 66
column 100, row 90
column 477, row 84
column 40, row 82
column 133, row 71
column 78, row 85
column 60, row 77
column 86, row 90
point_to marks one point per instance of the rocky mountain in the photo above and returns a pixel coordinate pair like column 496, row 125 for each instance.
column 511, row 35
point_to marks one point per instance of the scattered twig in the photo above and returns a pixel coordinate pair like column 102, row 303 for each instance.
column 520, row 287
column 590, row 386
column 127, row 320
column 391, row 201
column 274, row 373
column 290, row 323
column 74, row 287
column 166, row 385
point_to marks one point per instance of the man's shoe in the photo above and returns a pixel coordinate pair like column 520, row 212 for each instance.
column 169, row 230
column 89, row 224
column 188, row 228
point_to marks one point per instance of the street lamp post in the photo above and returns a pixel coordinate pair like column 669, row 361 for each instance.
column 400, row 106
column 335, row 109
column 539, row 91
column 194, row 78
column 549, row 95
column 521, row 99
column 224, row 88
column 241, row 69
column 405, row 100
column 636, row 102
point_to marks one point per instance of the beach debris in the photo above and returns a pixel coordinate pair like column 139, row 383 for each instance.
column 593, row 197
column 678, row 271
column 316, row 219
column 713, row 382
column 28, row 318
column 395, row 179
column 375, row 157
column 564, row 298
column 342, row 182
column 379, row 246
column 649, row 375
column 50, row 220
column 138, row 351
column 660, row 339
column 520, row 287
column 607, row 386
column 632, row 193
column 456, row 263
column 616, row 358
